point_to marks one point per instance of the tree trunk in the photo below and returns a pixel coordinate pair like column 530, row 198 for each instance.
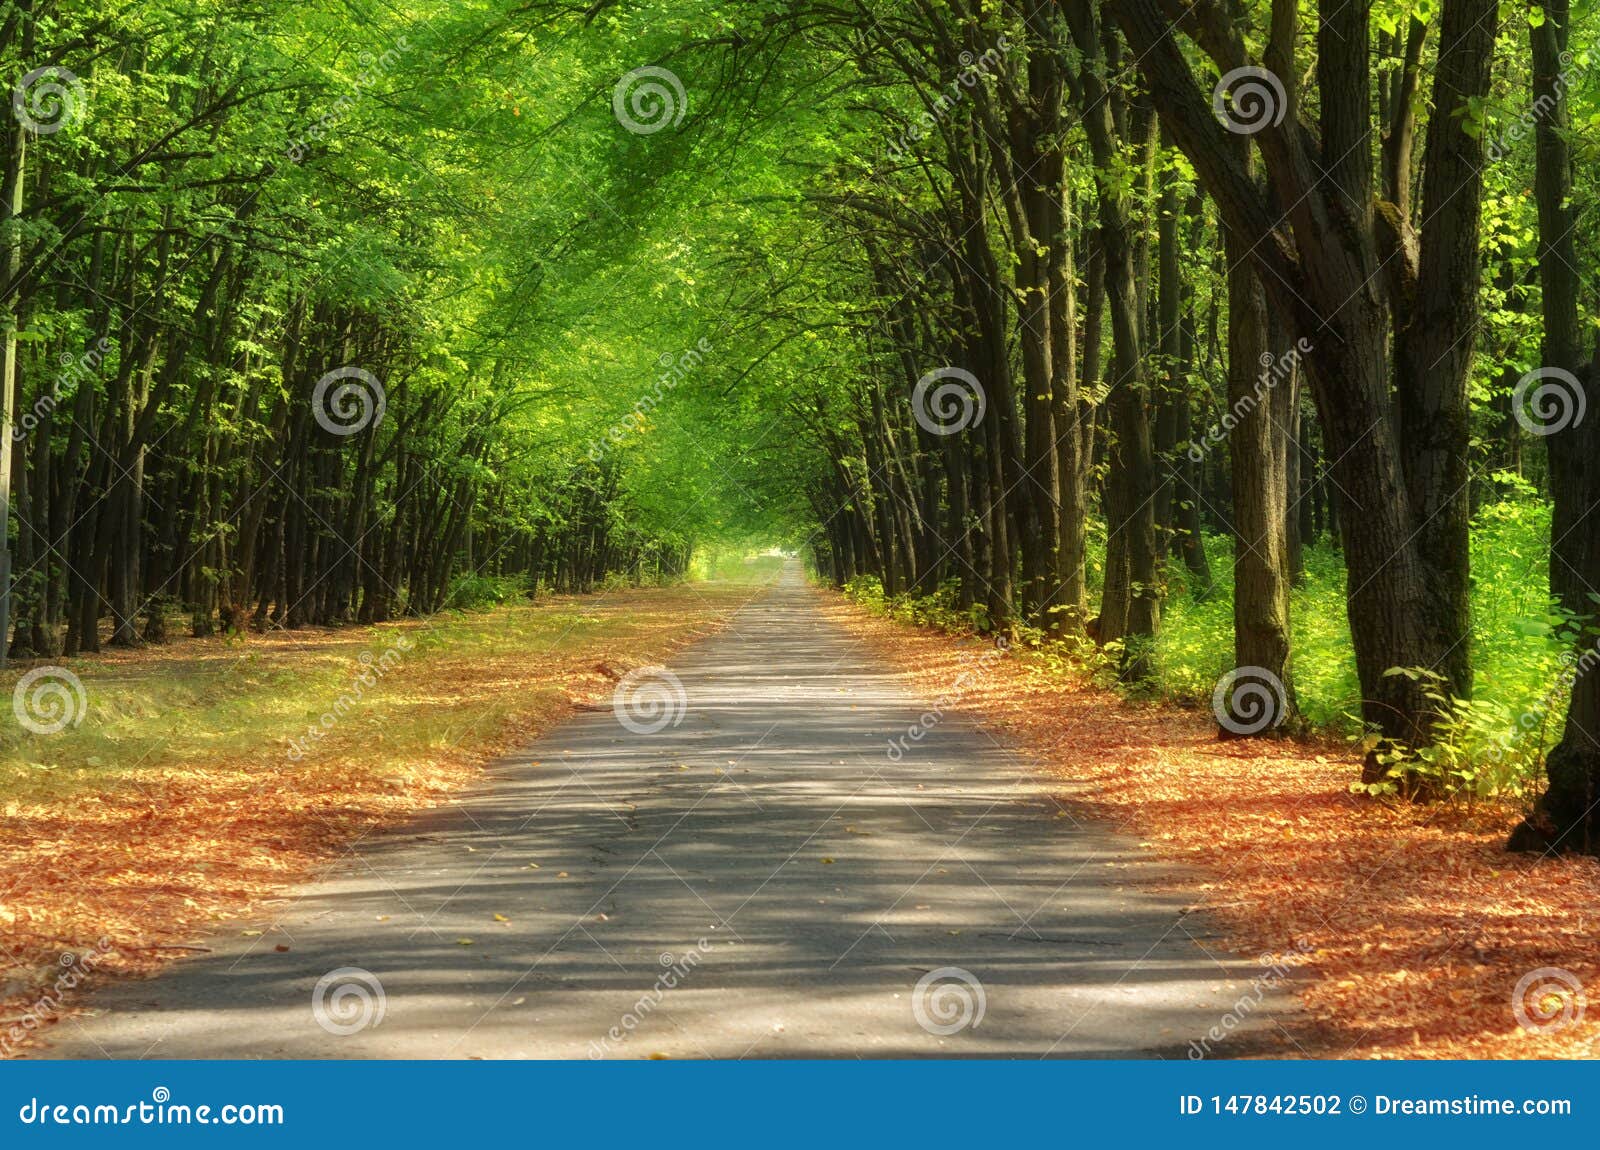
column 1258, row 373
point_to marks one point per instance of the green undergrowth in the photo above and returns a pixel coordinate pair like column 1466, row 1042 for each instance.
column 1492, row 744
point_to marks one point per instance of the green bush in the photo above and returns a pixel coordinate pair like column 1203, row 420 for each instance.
column 1494, row 743
column 481, row 592
column 936, row 610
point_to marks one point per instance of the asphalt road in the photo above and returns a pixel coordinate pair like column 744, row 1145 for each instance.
column 758, row 878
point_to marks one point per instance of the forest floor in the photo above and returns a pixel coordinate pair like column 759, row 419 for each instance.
column 1421, row 928
column 743, row 871
column 194, row 791
column 181, row 805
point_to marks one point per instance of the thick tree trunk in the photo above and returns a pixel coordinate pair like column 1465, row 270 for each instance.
column 1435, row 342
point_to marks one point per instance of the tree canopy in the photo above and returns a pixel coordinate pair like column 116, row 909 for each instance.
column 1059, row 320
